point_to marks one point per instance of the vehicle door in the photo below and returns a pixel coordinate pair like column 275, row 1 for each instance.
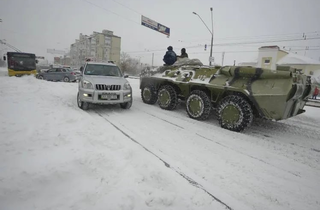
column 67, row 73
column 59, row 74
column 49, row 75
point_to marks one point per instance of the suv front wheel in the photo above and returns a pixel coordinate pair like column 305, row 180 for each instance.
column 81, row 104
column 126, row 105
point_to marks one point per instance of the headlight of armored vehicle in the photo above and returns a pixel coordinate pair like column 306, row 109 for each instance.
column 87, row 84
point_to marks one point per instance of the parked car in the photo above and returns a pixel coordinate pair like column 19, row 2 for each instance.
column 59, row 74
column 103, row 83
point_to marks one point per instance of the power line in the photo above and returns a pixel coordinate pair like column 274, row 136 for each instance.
column 248, row 51
column 259, row 36
column 110, row 11
column 127, row 7
column 237, row 51
column 258, row 42
column 9, row 45
column 235, row 43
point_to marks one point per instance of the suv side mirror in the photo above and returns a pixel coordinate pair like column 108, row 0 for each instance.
column 37, row 61
column 81, row 69
column 126, row 76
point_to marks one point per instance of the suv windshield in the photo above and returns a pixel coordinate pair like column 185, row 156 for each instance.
column 102, row 70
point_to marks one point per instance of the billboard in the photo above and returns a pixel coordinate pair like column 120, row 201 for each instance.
column 54, row 51
column 155, row 25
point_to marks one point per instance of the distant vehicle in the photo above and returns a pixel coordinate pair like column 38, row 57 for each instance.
column 58, row 74
column 103, row 83
column 21, row 63
column 43, row 70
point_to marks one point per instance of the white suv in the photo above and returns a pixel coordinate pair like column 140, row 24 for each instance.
column 103, row 83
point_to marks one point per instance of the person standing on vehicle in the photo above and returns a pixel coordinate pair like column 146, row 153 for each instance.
column 184, row 54
column 170, row 57
column 315, row 93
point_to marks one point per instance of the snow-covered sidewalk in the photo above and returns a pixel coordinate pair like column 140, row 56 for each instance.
column 56, row 156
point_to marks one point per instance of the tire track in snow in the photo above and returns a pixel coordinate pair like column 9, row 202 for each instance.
column 189, row 179
column 247, row 155
column 258, row 128
column 159, row 118
column 249, row 133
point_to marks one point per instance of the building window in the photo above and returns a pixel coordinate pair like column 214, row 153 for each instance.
column 311, row 72
column 267, row 61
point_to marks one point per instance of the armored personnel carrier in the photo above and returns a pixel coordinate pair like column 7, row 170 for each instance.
column 237, row 94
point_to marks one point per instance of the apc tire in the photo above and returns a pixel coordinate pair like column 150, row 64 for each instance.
column 198, row 105
column 126, row 105
column 66, row 79
column 167, row 97
column 81, row 104
column 149, row 94
column 234, row 113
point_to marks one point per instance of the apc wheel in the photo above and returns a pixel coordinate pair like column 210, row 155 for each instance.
column 81, row 104
column 149, row 94
column 40, row 77
column 167, row 97
column 66, row 79
column 126, row 105
column 234, row 113
column 198, row 105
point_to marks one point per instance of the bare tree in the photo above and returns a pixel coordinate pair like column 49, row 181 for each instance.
column 129, row 65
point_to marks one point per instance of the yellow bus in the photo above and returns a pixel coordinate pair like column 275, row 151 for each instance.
column 20, row 63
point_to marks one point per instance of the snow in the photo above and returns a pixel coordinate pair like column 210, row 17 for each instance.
column 56, row 156
column 316, row 77
column 295, row 59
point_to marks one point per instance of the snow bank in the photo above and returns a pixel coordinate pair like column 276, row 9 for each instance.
column 56, row 156
column 3, row 72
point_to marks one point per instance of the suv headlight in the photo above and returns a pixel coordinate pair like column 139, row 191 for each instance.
column 87, row 84
column 126, row 86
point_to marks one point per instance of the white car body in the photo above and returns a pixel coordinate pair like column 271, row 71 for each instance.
column 98, row 89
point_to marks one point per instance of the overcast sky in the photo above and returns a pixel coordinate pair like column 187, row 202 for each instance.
column 36, row 25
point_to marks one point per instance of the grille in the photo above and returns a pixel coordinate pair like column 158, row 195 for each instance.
column 108, row 87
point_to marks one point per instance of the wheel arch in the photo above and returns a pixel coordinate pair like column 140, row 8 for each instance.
column 202, row 88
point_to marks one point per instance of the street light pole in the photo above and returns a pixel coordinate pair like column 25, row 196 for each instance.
column 211, row 35
column 211, row 31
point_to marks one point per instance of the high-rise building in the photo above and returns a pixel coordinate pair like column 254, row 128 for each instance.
column 100, row 47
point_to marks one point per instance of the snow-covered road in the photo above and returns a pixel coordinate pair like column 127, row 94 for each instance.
column 55, row 156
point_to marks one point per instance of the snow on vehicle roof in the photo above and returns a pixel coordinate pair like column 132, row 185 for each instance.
column 297, row 59
column 100, row 63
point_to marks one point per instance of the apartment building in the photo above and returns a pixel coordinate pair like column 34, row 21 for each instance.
column 99, row 46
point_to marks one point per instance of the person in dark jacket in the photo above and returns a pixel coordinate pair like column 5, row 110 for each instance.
column 183, row 53
column 170, row 57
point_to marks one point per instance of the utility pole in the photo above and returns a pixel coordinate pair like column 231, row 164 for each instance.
column 222, row 58
column 152, row 58
column 234, row 62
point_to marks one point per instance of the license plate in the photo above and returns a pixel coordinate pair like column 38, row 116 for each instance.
column 109, row 96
